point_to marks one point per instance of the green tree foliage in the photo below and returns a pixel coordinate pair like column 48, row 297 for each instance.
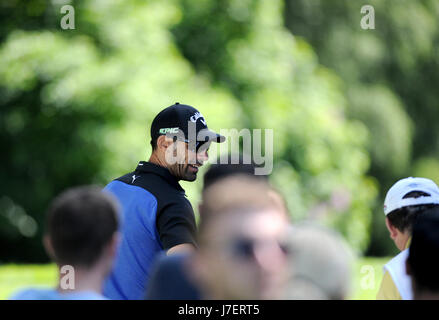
column 320, row 158
column 76, row 104
column 390, row 76
column 51, row 129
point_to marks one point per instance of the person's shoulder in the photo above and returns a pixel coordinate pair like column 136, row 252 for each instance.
column 160, row 185
column 388, row 289
column 85, row 295
column 132, row 183
column 399, row 258
column 33, row 294
column 52, row 294
column 394, row 278
column 154, row 184
column 125, row 178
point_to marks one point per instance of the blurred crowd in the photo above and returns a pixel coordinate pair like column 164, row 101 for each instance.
column 248, row 249
column 137, row 238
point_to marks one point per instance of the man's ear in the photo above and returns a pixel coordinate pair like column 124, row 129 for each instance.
column 392, row 229
column 114, row 243
column 163, row 142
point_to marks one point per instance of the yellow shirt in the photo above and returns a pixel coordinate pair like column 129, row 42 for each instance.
column 388, row 289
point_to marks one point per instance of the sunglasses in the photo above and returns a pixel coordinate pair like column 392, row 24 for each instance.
column 198, row 146
column 246, row 249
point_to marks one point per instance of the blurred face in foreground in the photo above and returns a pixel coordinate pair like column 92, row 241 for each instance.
column 243, row 256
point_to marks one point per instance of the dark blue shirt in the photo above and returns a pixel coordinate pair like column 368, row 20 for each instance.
column 171, row 279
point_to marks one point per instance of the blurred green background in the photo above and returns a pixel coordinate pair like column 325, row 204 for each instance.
column 352, row 110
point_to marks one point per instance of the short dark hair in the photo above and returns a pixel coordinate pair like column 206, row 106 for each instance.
column 423, row 256
column 80, row 222
column 234, row 165
column 404, row 218
column 232, row 194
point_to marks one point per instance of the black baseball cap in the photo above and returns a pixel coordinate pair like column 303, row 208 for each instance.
column 183, row 122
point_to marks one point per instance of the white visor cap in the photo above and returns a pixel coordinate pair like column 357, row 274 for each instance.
column 395, row 196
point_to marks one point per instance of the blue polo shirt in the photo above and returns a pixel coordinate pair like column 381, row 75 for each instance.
column 156, row 215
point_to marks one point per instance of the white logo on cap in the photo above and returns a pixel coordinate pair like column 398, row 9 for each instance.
column 197, row 116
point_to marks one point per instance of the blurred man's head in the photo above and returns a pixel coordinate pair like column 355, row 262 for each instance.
column 242, row 252
column 320, row 264
column 423, row 260
column 405, row 201
column 235, row 165
column 228, row 166
column 82, row 228
column 180, row 140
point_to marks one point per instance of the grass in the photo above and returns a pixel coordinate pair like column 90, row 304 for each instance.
column 366, row 280
column 15, row 277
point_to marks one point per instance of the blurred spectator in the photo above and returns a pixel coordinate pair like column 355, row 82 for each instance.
column 234, row 164
column 423, row 260
column 170, row 275
column 81, row 235
column 242, row 241
column 320, row 264
column 405, row 202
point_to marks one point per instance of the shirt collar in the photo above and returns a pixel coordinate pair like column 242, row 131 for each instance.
column 163, row 172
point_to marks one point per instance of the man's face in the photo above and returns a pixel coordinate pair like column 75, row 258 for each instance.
column 185, row 161
column 245, row 256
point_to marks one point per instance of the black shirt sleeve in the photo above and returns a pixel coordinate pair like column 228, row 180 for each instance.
column 176, row 225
